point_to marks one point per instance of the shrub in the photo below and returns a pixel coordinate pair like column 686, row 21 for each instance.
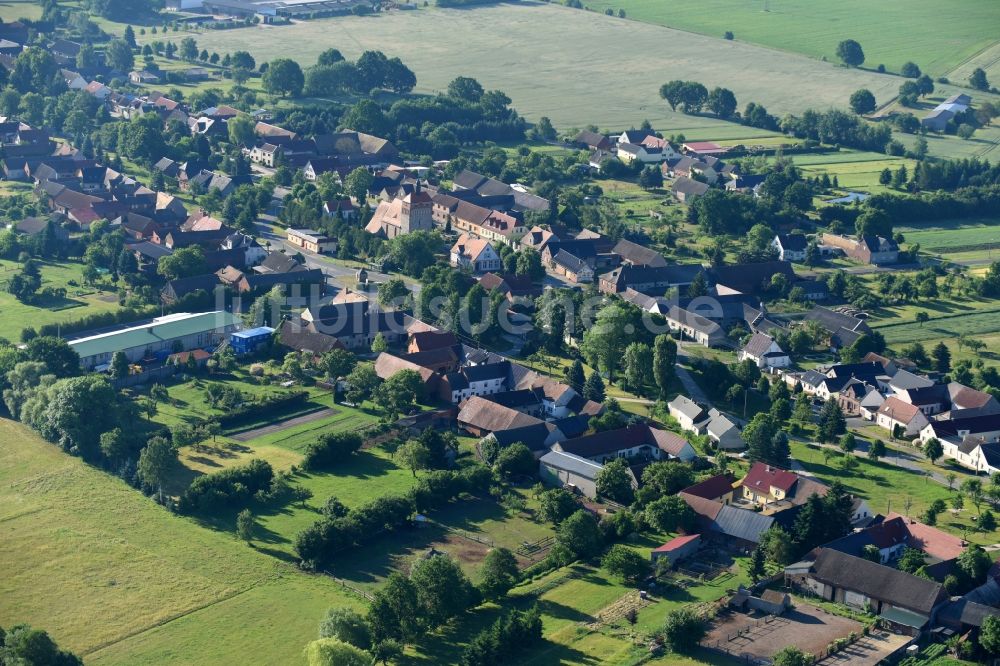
column 232, row 487
column 330, row 449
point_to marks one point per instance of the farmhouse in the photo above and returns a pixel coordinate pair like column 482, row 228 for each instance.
column 866, row 249
column 687, row 190
column 156, row 338
column 695, row 327
column 774, row 489
column 481, row 417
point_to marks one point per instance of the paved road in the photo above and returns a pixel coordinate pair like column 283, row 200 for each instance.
column 328, row 265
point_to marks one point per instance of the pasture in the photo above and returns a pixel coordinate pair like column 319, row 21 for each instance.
column 573, row 75
column 890, row 32
column 13, row 10
column 965, row 240
column 146, row 586
column 78, row 302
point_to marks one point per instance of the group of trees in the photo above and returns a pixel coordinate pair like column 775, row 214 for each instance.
column 333, row 75
column 22, row 644
column 692, row 96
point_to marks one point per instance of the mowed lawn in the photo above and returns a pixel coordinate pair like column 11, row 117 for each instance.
column 12, row 10
column 78, row 302
column 890, row 32
column 567, row 64
column 887, row 487
column 120, row 580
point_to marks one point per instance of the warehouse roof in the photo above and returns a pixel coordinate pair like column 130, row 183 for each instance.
column 150, row 333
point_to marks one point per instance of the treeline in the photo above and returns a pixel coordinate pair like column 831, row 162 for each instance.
column 373, row 70
column 233, row 487
column 838, row 128
column 317, row 545
column 930, row 206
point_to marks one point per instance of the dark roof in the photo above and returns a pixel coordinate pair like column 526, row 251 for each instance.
column 877, row 581
column 533, row 436
column 758, row 345
column 294, row 336
column 516, row 398
column 570, row 262
column 752, row 278
column 486, row 372
column 278, row 262
column 628, row 276
column 428, row 340
column 712, row 487
column 880, row 244
column 638, row 255
column 742, row 524
column 793, row 242
column 966, row 612
column 973, row 425
column 685, row 185
column 184, row 286
column 611, row 441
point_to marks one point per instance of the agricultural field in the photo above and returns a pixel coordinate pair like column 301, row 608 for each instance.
column 533, row 73
column 167, row 590
column 960, row 242
column 984, row 144
column 78, row 302
column 891, row 32
column 854, row 169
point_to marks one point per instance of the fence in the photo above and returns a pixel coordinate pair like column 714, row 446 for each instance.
column 347, row 586
column 145, row 377
column 531, row 549
column 471, row 536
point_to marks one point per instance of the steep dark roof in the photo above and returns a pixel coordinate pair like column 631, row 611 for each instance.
column 751, row 278
column 793, row 242
column 712, row 487
column 296, row 337
column 877, row 581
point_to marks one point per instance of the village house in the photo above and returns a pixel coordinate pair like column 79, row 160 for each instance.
column 895, row 415
column 765, row 352
column 475, row 254
column 592, row 140
column 790, row 247
column 687, row 190
column 689, row 414
column 723, row 432
column 657, row 279
column 474, row 380
column 774, row 489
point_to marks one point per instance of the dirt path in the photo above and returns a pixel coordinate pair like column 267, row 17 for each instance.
column 253, row 433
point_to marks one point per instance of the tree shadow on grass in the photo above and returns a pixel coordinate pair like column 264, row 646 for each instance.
column 553, row 609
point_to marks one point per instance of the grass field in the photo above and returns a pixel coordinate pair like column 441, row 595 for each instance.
column 958, row 240
column 886, row 488
column 146, row 586
column 12, row 10
column 79, row 301
column 890, row 32
column 529, row 60
column 855, row 170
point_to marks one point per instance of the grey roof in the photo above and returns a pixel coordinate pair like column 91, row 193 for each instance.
column 570, row 262
column 684, row 185
column 688, row 408
column 639, row 255
column 877, row 581
column 758, row 345
column 582, row 467
column 696, row 322
column 742, row 524
column 793, row 242
column 904, row 380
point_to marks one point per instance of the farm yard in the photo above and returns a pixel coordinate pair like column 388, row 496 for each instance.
column 938, row 41
column 529, row 58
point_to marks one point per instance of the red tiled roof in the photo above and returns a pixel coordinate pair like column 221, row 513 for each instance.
column 931, row 540
column 763, row 477
column 676, row 543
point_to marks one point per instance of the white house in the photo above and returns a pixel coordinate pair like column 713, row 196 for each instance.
column 765, row 352
column 688, row 414
column 790, row 247
column 475, row 254
column 894, row 412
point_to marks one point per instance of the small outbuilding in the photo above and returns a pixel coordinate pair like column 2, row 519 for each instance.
column 250, row 340
column 677, row 549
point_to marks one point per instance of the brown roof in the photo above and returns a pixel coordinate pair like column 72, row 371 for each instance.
column 387, row 365
column 486, row 415
column 712, row 487
column 707, row 509
column 931, row 540
column 898, row 410
column 428, row 340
